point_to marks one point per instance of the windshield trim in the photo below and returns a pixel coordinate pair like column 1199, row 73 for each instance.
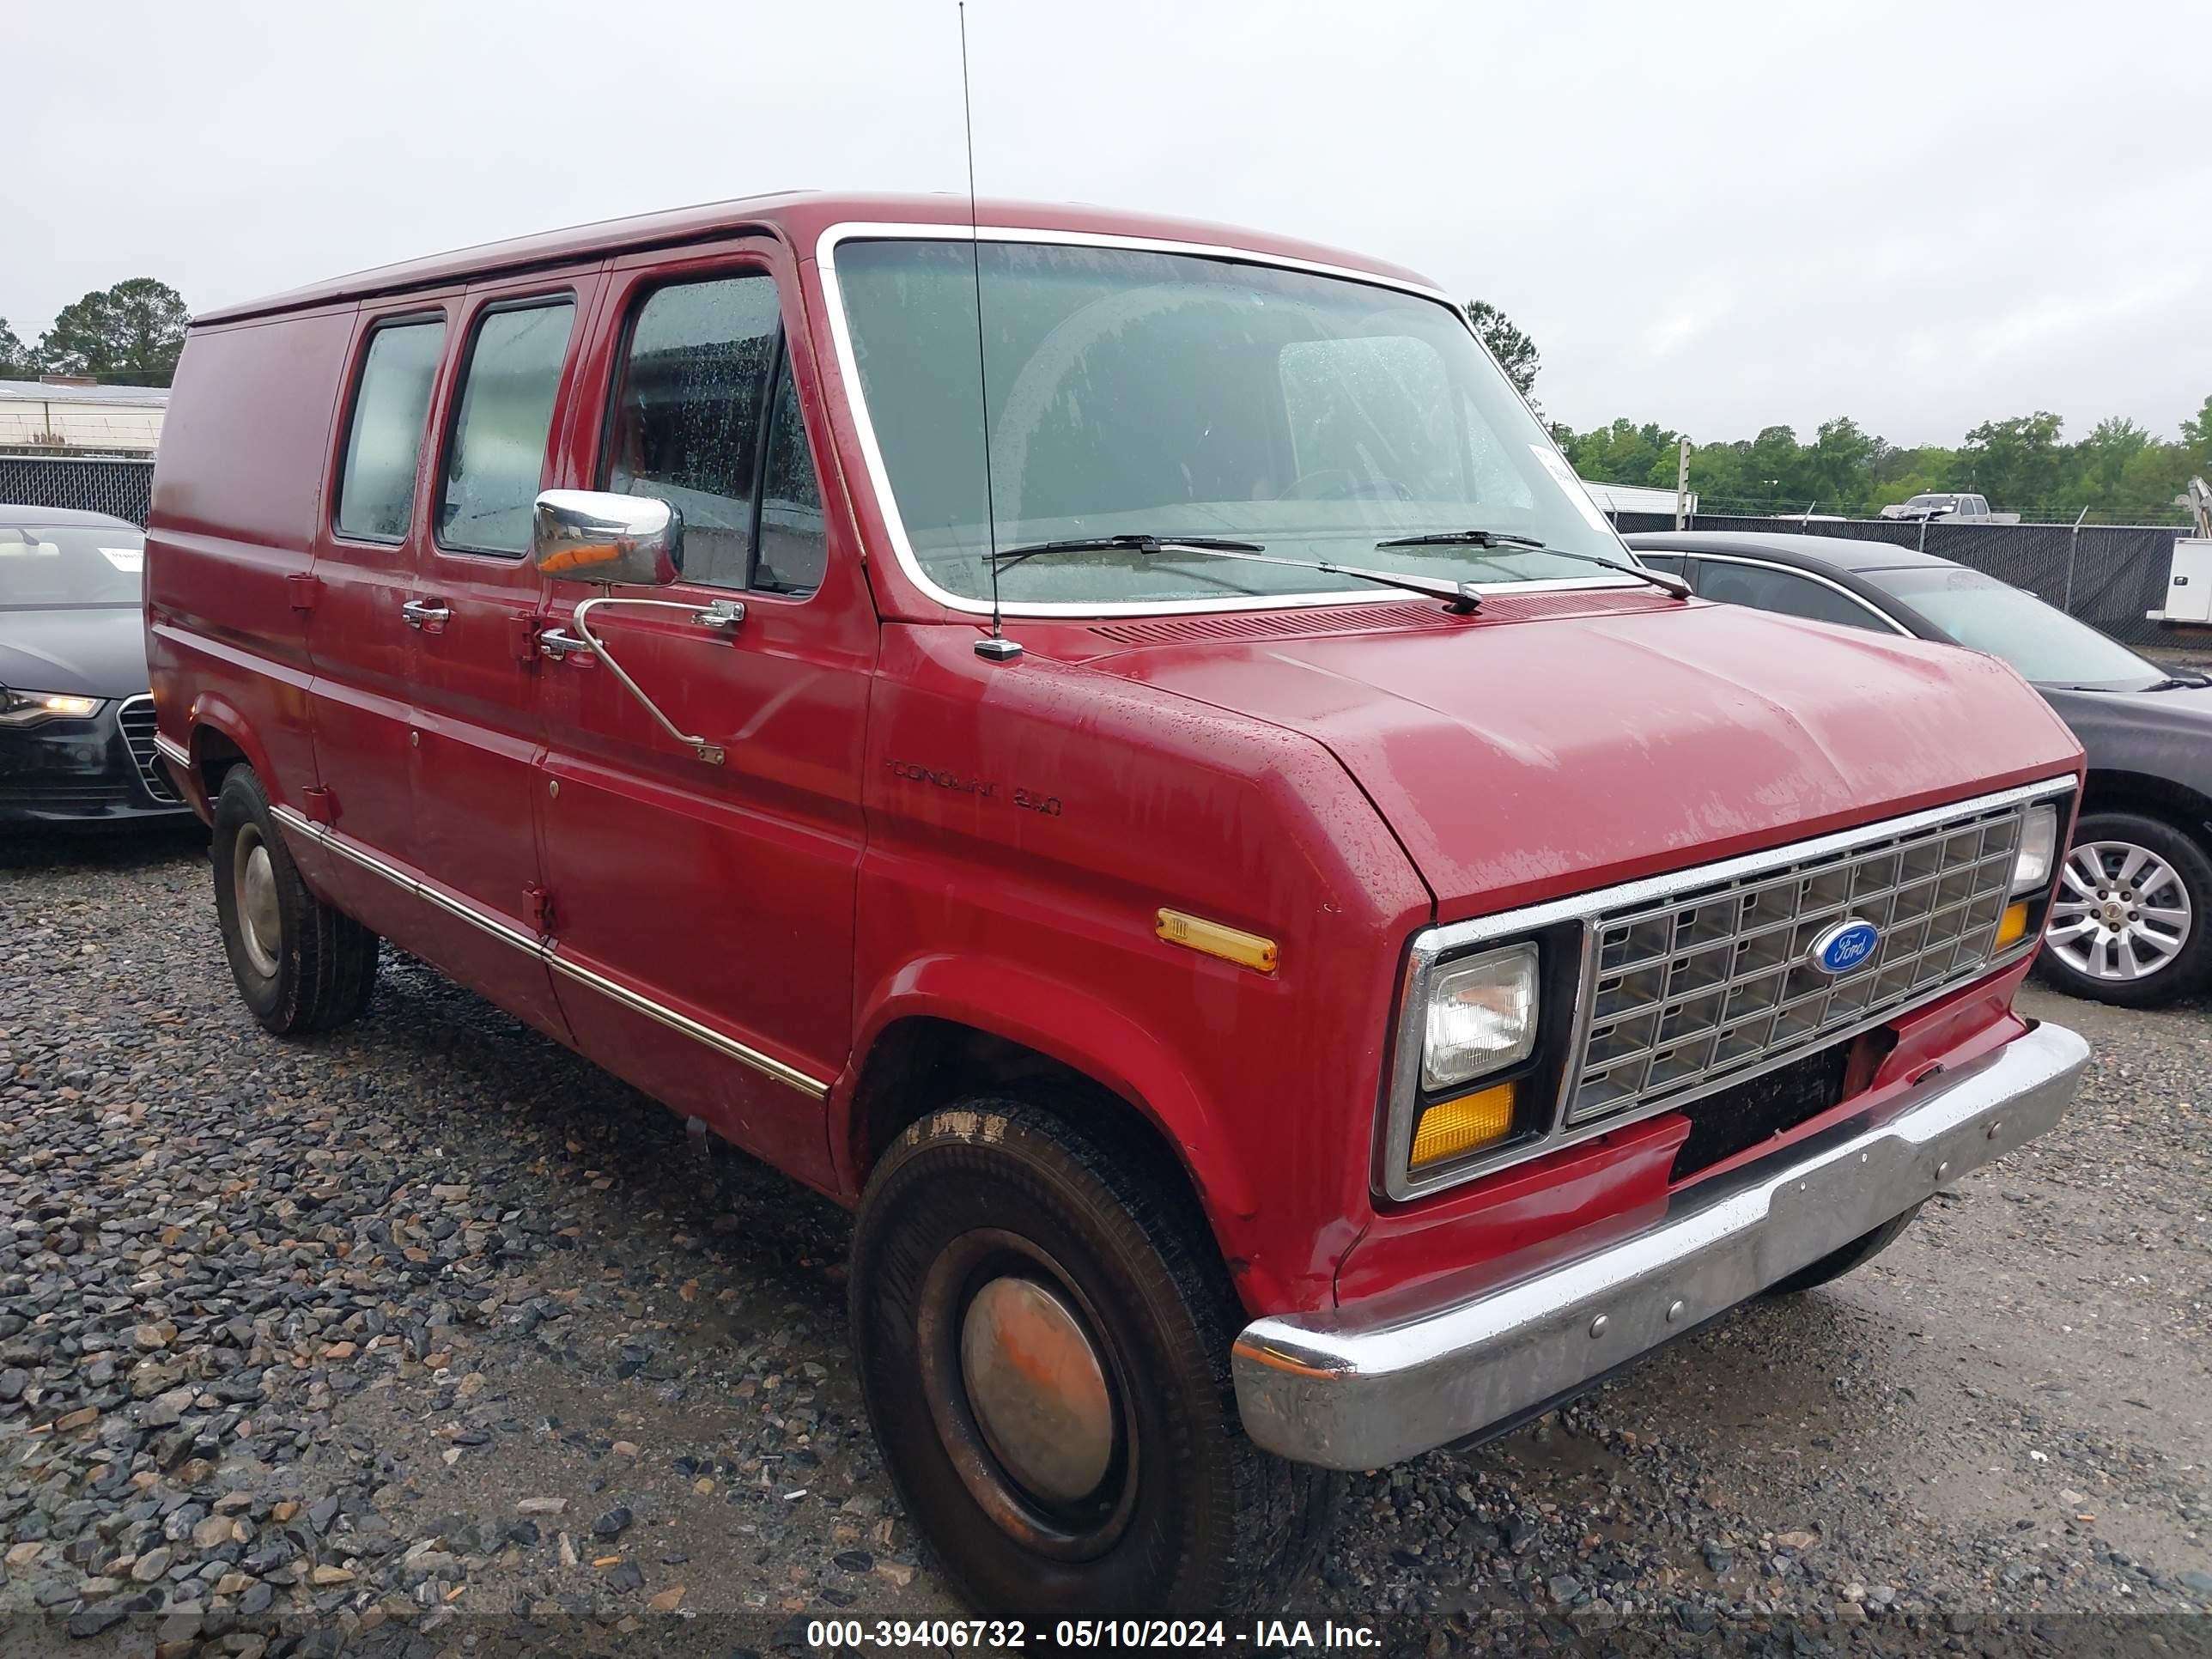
column 887, row 507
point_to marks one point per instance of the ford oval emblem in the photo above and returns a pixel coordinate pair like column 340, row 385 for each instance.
column 1849, row 943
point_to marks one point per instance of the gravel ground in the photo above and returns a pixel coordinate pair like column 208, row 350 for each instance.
column 428, row 1337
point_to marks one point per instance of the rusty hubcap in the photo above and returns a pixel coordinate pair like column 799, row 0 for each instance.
column 1037, row 1389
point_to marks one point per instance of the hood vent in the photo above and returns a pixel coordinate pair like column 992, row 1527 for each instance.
column 1376, row 618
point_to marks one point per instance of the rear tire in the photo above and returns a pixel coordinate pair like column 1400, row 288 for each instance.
column 2136, row 882
column 1043, row 1325
column 301, row 966
column 1836, row 1263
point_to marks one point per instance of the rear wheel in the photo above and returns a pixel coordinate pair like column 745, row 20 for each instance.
column 300, row 965
column 1043, row 1326
column 2132, row 921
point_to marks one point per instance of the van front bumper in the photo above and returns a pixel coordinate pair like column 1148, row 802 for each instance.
column 1360, row 1386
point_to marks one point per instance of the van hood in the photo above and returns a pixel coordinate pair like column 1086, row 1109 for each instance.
column 1522, row 761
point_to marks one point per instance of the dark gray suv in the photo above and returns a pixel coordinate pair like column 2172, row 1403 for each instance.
column 2132, row 923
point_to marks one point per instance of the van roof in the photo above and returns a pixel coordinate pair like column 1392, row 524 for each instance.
column 800, row 217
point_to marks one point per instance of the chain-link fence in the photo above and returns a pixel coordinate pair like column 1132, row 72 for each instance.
column 120, row 487
column 2106, row 574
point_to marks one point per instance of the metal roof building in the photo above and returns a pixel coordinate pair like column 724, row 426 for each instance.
column 40, row 418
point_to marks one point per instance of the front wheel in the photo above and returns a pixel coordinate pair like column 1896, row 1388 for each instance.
column 1043, row 1326
column 2132, row 921
column 1838, row 1262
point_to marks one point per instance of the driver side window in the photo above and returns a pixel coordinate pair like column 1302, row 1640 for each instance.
column 706, row 417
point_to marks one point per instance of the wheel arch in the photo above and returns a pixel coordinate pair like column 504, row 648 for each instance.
column 945, row 1027
column 2116, row 790
column 222, row 738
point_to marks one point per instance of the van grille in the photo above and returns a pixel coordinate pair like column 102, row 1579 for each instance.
column 138, row 725
column 1703, row 985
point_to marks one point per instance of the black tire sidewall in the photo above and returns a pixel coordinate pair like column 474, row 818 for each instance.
column 2189, row 969
column 924, row 1197
column 1848, row 1258
column 242, row 801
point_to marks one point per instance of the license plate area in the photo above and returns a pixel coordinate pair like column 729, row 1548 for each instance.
column 1746, row 1115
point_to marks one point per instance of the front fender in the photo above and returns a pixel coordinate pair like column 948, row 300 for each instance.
column 1072, row 1025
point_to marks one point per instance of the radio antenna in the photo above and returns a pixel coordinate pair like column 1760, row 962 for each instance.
column 998, row 648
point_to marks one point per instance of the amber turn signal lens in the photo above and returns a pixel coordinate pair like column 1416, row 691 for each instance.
column 1217, row 939
column 2013, row 927
column 1454, row 1127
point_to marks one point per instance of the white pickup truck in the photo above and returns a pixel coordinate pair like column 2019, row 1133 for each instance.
column 1951, row 509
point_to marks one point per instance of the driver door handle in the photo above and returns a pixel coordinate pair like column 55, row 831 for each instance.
column 426, row 613
column 558, row 642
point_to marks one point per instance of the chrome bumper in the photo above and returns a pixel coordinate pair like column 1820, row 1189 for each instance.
column 1360, row 1387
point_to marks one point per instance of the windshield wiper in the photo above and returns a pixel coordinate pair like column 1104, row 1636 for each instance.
column 1134, row 544
column 1463, row 598
column 1506, row 538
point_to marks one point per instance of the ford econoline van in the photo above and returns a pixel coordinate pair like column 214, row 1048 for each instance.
column 1120, row 751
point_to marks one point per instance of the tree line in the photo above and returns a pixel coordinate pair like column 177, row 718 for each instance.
column 127, row 335
column 2120, row 472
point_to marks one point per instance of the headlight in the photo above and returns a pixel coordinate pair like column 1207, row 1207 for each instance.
column 22, row 708
column 2038, row 847
column 1481, row 1017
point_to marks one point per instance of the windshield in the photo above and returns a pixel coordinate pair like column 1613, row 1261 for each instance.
column 1168, row 395
column 60, row 565
column 2044, row 644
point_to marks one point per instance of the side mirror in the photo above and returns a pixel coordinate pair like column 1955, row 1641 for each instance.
column 595, row 535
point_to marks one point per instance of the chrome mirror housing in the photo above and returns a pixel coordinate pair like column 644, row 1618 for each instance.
column 595, row 535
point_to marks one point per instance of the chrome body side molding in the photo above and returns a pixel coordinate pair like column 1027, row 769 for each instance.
column 547, row 949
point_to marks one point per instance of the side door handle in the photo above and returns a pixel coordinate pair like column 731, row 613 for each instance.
column 430, row 614
column 558, row 642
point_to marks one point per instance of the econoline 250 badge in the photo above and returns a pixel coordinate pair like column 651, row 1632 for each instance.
column 1849, row 943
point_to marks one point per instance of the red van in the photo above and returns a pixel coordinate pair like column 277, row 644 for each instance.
column 1120, row 749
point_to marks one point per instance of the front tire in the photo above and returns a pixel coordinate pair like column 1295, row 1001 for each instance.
column 1043, row 1326
column 1838, row 1262
column 300, row 965
column 2132, row 921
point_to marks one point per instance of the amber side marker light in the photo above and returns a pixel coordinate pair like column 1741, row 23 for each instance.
column 1230, row 944
column 2013, row 926
column 1465, row 1125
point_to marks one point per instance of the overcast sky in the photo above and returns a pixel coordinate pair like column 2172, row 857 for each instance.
column 1718, row 217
